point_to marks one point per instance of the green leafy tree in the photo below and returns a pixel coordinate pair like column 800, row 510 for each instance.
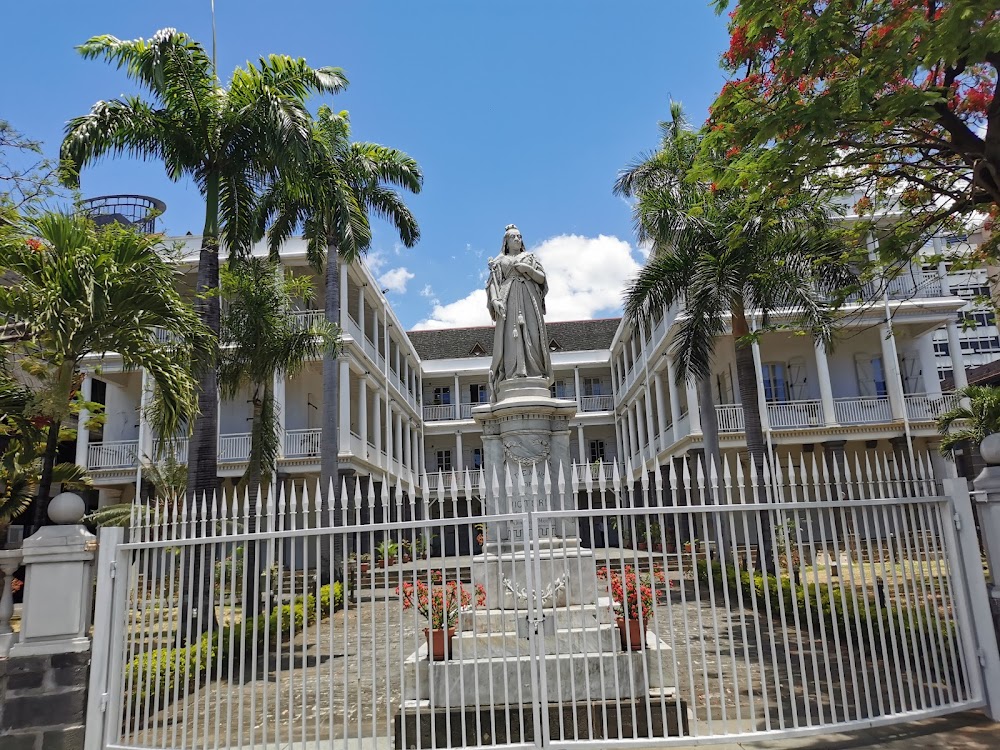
column 727, row 261
column 78, row 290
column 331, row 199
column 27, row 178
column 261, row 340
column 975, row 415
column 895, row 98
column 229, row 140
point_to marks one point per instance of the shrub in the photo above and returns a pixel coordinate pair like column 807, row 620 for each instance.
column 162, row 671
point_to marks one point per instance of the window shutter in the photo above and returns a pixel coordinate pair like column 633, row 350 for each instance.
column 866, row 376
column 797, row 379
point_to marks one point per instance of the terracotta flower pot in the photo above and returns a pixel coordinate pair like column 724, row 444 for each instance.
column 438, row 643
column 632, row 633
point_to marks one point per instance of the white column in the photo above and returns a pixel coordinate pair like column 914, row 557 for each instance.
column 825, row 384
column 389, row 443
column 959, row 378
column 456, row 399
column 661, row 411
column 650, row 430
column 399, row 376
column 363, row 414
column 579, row 393
column 635, row 350
column 280, row 411
column 361, row 312
column 892, row 378
column 377, row 425
column 619, row 437
column 415, row 453
column 675, row 399
column 459, row 462
column 407, row 445
column 694, row 415
column 928, row 365
column 145, row 428
column 640, row 423
column 584, row 458
column 397, row 434
column 345, row 405
column 343, row 296
column 630, row 439
column 82, row 433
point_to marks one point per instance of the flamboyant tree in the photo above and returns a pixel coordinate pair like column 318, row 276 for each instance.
column 891, row 100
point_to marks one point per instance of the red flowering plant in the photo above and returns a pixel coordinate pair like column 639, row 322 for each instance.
column 632, row 591
column 441, row 604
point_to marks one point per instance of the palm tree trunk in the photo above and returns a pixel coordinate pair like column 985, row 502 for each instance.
column 203, row 447
column 251, row 571
column 746, row 373
column 330, row 439
column 45, row 480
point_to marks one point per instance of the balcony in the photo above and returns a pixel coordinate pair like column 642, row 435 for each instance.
column 306, row 319
column 444, row 412
column 864, row 410
column 302, row 443
column 791, row 414
column 921, row 407
column 596, row 403
column 593, row 471
column 116, row 454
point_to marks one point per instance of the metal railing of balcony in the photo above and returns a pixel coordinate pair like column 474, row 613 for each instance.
column 302, row 443
column 234, row 448
column 305, row 319
column 596, row 403
column 730, row 417
column 922, row 407
column 593, row 470
column 790, row 414
column 439, row 412
column 862, row 410
column 465, row 411
column 115, row 454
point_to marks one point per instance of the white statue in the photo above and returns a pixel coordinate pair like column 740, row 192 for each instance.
column 515, row 294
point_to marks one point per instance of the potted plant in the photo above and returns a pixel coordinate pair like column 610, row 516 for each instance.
column 422, row 546
column 655, row 539
column 364, row 563
column 632, row 593
column 385, row 553
column 441, row 604
column 405, row 550
column 641, row 540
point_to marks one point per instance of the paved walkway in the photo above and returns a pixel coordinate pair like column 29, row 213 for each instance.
column 965, row 731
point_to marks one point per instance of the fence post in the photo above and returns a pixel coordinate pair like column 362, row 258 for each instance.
column 988, row 510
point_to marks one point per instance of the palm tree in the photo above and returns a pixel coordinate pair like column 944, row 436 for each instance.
column 261, row 340
column 230, row 141
column 79, row 290
column 977, row 409
column 726, row 260
column 331, row 200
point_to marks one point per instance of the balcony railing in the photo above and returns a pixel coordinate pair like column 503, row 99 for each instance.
column 921, row 407
column 730, row 417
column 439, row 412
column 596, row 403
column 864, row 410
column 790, row 414
column 234, row 448
column 117, row 454
column 465, row 411
column 302, row 443
column 593, row 470
column 305, row 319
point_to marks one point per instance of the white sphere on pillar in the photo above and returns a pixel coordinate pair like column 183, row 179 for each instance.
column 67, row 508
column 989, row 449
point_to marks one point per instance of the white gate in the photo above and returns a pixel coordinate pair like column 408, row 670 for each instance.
column 677, row 610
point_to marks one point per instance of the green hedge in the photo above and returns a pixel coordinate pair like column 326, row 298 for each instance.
column 835, row 607
column 162, row 671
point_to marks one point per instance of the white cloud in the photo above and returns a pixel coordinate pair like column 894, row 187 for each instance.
column 427, row 291
column 376, row 260
column 395, row 280
column 586, row 275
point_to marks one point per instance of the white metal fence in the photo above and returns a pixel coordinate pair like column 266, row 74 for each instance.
column 810, row 598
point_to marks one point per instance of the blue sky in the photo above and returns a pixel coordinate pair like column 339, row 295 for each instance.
column 517, row 112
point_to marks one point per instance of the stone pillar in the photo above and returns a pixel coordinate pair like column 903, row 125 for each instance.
column 43, row 699
column 959, row 378
column 619, row 437
column 456, row 399
column 415, row 464
column 459, row 462
column 390, row 409
column 82, row 433
column 825, row 385
column 582, row 445
column 984, row 609
column 928, row 366
column 280, row 411
column 892, row 379
column 363, row 414
column 55, row 616
column 576, row 385
column 345, row 405
column 631, row 439
column 407, row 446
column 640, row 423
column 146, row 451
column 661, row 412
column 361, row 312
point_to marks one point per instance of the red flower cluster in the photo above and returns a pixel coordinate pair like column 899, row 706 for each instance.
column 34, row 244
column 442, row 604
column 632, row 591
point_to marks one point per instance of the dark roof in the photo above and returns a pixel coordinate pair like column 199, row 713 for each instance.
column 455, row 343
column 988, row 374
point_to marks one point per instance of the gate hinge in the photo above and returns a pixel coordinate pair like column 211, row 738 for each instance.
column 104, row 702
column 982, row 657
column 958, row 522
column 114, row 569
